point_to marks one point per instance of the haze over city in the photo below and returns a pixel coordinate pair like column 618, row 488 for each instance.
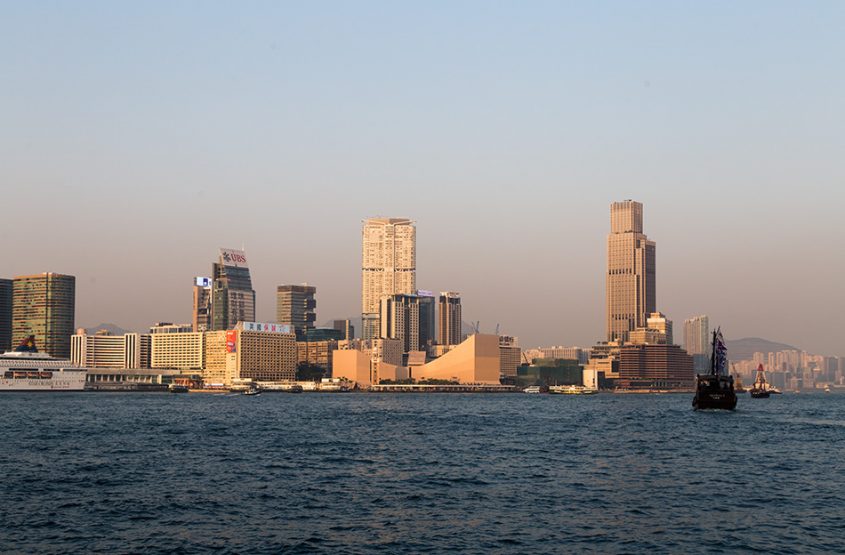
column 136, row 143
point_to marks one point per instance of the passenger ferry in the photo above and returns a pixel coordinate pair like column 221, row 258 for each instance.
column 25, row 369
column 571, row 390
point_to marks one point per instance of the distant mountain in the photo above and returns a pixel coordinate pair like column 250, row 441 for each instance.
column 744, row 349
column 112, row 328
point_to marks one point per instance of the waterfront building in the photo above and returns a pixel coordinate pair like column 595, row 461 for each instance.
column 216, row 371
column 631, row 288
column 5, row 315
column 232, row 296
column 509, row 355
column 296, row 306
column 449, row 332
column 170, row 327
column 655, row 367
column 178, row 351
column 697, row 335
column 345, row 327
column 318, row 353
column 477, row 360
column 659, row 322
column 43, row 305
column 399, row 318
column 201, row 320
column 549, row 371
column 104, row 350
column 428, row 323
column 261, row 352
column 388, row 266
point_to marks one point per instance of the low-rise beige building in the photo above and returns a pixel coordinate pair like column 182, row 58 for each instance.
column 178, row 351
column 477, row 360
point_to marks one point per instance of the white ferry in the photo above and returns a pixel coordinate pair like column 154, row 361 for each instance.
column 25, row 369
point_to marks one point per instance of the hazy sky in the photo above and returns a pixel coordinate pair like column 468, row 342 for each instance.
column 137, row 138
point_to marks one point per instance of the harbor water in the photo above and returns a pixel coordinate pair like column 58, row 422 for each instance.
column 416, row 473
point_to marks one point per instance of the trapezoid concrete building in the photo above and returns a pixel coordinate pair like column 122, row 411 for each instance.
column 388, row 266
column 631, row 271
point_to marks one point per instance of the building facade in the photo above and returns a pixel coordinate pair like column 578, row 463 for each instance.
column 428, row 321
column 655, row 367
column 178, row 351
column 232, row 296
column 697, row 335
column 44, row 305
column 631, row 285
column 170, row 327
column 5, row 315
column 103, row 350
column 510, row 355
column 296, row 306
column 663, row 325
column 261, row 352
column 388, row 266
column 201, row 320
column 399, row 318
column 449, row 323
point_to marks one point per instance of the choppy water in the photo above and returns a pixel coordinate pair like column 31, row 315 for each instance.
column 412, row 473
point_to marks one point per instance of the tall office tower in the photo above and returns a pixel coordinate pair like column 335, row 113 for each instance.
column 388, row 266
column 296, row 306
column 232, row 296
column 345, row 327
column 399, row 318
column 428, row 326
column 658, row 321
column 697, row 335
column 631, row 276
column 201, row 320
column 5, row 315
column 43, row 305
column 449, row 332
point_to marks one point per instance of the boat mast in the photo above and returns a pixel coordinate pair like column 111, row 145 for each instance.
column 713, row 355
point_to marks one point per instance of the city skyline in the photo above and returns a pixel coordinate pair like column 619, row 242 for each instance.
column 505, row 141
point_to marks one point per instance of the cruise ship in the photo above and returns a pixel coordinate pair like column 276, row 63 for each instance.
column 25, row 369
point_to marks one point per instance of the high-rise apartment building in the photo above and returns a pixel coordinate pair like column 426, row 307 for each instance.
column 631, row 271
column 296, row 306
column 179, row 351
column 449, row 332
column 399, row 318
column 697, row 335
column 5, row 315
column 232, row 296
column 43, row 305
column 201, row 320
column 388, row 266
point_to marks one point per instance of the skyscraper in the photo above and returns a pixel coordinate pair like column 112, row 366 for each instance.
column 631, row 271
column 697, row 335
column 296, row 306
column 399, row 318
column 232, row 296
column 449, row 332
column 388, row 266
column 5, row 315
column 44, row 305
column 202, row 304
column 428, row 324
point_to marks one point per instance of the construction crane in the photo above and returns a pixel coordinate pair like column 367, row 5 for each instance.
column 475, row 325
column 497, row 329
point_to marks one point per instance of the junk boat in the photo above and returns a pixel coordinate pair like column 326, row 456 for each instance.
column 25, row 369
column 760, row 389
column 715, row 390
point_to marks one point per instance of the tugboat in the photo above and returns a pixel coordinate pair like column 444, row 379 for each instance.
column 715, row 390
column 760, row 389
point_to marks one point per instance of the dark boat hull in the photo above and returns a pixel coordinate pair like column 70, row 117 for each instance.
column 714, row 392
column 760, row 394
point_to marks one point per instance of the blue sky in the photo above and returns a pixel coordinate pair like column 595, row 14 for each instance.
column 142, row 136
